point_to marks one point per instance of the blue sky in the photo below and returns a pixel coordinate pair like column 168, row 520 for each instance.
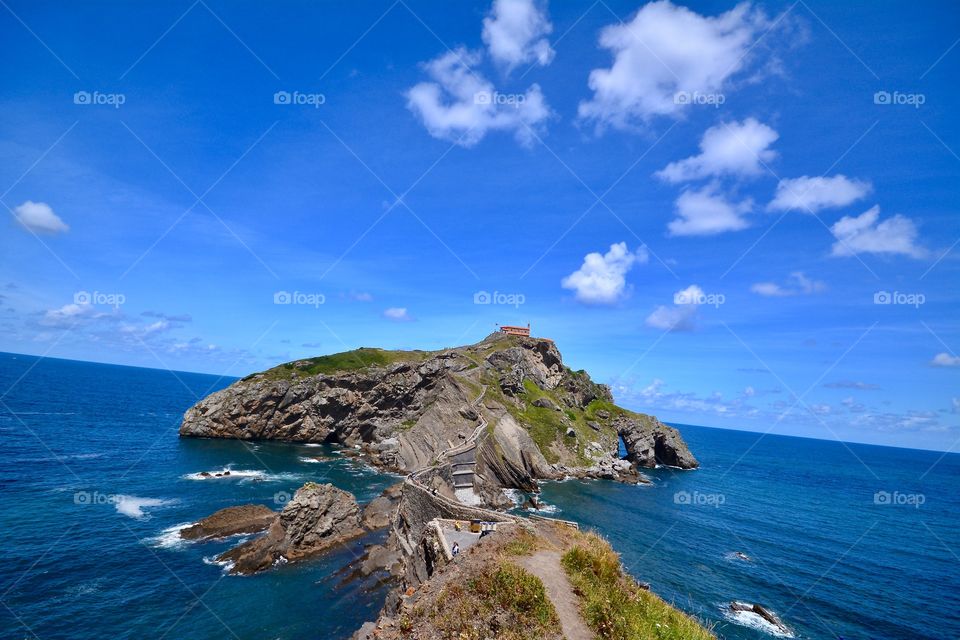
column 702, row 203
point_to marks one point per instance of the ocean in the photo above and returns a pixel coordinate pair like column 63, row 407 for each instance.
column 840, row 540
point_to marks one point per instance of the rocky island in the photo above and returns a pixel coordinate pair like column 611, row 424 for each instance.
column 464, row 425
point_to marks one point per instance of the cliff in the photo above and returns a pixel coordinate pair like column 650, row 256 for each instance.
column 402, row 409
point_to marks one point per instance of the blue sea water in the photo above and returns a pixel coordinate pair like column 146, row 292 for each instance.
column 845, row 541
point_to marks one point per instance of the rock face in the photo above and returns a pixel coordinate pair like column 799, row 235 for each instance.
column 379, row 512
column 247, row 518
column 402, row 410
column 649, row 442
column 318, row 517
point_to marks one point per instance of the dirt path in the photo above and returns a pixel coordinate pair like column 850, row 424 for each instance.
column 546, row 566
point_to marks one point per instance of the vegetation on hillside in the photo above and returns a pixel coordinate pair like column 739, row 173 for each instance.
column 345, row 361
column 614, row 605
column 500, row 601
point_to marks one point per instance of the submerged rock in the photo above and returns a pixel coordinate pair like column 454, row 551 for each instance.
column 769, row 616
column 318, row 517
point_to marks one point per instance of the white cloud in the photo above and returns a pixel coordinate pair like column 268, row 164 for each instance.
column 462, row 106
column 866, row 234
column 811, row 194
column 602, row 278
column 397, row 314
column 39, row 217
column 945, row 360
column 678, row 318
column 515, row 31
column 797, row 284
column 67, row 315
column 664, row 50
column 737, row 149
column 707, row 212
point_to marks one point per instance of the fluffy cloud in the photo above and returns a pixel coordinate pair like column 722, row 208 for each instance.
column 663, row 51
column 945, row 360
column 515, row 31
column 797, row 284
column 811, row 194
column 397, row 314
column 462, row 106
column 681, row 316
column 39, row 217
column 867, row 234
column 602, row 278
column 706, row 212
column 736, row 149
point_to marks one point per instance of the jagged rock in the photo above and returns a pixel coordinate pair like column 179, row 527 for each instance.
column 468, row 412
column 593, row 425
column 545, row 403
column 379, row 512
column 571, row 432
column 649, row 442
column 764, row 613
column 318, row 517
column 247, row 518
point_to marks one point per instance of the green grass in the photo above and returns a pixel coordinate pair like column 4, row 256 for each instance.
column 501, row 601
column 345, row 361
column 614, row 606
column 523, row 544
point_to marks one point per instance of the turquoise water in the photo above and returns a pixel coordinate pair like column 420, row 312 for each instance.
column 93, row 479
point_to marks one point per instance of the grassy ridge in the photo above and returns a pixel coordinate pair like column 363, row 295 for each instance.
column 345, row 361
column 617, row 608
column 501, row 601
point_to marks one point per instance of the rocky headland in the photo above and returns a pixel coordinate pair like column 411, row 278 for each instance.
column 464, row 425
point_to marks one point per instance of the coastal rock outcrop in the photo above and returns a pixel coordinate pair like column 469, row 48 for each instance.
column 531, row 417
column 379, row 512
column 246, row 518
column 318, row 517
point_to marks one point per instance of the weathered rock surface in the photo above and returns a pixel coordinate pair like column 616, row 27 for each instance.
column 649, row 442
column 379, row 512
column 769, row 616
column 247, row 518
column 318, row 517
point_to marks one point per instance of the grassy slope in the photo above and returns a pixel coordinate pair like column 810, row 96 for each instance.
column 345, row 361
column 500, row 601
column 614, row 605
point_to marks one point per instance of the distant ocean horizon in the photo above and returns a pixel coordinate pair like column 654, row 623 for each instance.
column 840, row 539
